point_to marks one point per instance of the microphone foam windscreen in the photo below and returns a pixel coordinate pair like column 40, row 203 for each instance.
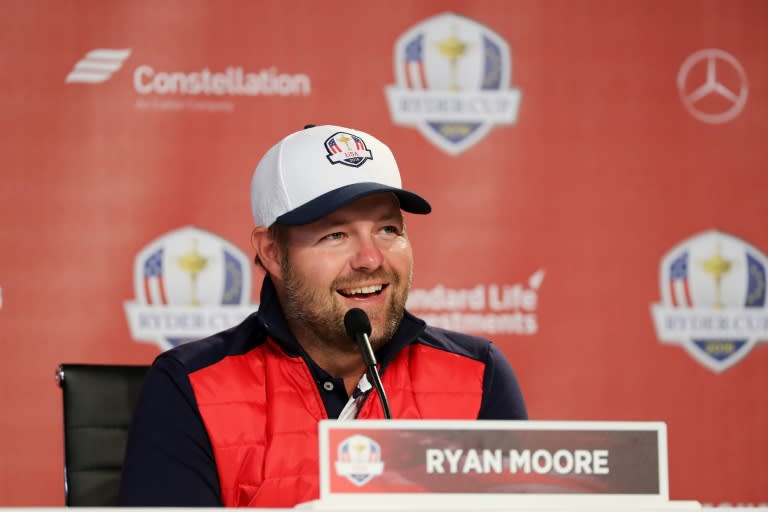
column 356, row 322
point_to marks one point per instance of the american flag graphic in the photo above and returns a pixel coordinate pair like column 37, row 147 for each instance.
column 678, row 282
column 414, row 64
column 375, row 455
column 359, row 144
column 755, row 283
column 333, row 147
column 344, row 453
column 154, row 286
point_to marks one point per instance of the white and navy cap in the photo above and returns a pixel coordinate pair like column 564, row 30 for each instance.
column 315, row 171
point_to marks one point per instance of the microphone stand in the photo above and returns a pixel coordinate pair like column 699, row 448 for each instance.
column 373, row 375
column 358, row 327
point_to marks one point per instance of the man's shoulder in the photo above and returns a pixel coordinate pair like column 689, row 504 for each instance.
column 459, row 343
column 199, row 354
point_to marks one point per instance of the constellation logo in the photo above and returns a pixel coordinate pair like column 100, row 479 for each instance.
column 200, row 89
column 98, row 66
column 713, row 299
column 453, row 79
column 188, row 284
column 713, row 86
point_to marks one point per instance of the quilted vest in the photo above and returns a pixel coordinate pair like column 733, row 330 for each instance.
column 261, row 411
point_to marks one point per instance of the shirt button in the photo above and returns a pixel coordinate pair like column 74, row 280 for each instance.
column 328, row 385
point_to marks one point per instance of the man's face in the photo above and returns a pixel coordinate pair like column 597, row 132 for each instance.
column 357, row 257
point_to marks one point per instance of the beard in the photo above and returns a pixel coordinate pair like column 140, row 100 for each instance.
column 319, row 312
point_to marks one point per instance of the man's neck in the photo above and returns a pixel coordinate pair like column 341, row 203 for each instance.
column 342, row 362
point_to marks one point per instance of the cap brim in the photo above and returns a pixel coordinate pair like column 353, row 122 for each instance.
column 335, row 199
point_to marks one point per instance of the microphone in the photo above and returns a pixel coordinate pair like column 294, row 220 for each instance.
column 359, row 328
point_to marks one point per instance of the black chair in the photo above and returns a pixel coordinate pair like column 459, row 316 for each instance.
column 98, row 405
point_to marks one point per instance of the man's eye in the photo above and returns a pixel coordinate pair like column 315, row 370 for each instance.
column 334, row 236
column 392, row 230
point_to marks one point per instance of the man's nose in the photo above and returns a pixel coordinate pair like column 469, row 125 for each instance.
column 368, row 255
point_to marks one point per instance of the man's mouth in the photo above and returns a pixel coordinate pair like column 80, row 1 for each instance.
column 362, row 292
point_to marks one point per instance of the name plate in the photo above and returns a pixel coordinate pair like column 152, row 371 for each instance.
column 409, row 458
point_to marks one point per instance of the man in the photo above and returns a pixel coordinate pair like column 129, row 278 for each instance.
column 232, row 420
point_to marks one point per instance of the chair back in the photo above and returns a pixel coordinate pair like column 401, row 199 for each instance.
column 98, row 406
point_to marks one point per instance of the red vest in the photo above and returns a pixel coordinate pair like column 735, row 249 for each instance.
column 261, row 411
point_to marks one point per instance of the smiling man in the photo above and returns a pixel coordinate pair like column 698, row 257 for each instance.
column 232, row 419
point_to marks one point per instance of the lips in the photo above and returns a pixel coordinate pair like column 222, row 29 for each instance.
column 362, row 291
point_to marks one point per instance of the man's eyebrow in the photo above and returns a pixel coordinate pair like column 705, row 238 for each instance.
column 330, row 222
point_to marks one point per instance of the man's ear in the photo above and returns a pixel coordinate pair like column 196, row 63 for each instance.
column 267, row 250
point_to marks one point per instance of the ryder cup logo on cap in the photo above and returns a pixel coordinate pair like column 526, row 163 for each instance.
column 359, row 459
column 348, row 149
column 188, row 284
column 315, row 171
column 713, row 299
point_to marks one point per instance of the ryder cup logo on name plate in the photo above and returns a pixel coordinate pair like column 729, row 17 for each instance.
column 713, row 292
column 347, row 149
column 453, row 77
column 189, row 284
column 359, row 459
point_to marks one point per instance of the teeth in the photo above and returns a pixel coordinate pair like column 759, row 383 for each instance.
column 363, row 289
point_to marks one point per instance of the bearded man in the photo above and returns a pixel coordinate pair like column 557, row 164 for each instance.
column 232, row 419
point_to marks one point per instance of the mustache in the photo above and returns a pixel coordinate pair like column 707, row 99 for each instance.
column 359, row 278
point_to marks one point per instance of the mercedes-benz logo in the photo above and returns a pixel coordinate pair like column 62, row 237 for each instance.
column 723, row 93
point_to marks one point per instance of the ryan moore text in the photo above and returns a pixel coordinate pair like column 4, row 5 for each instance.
column 587, row 462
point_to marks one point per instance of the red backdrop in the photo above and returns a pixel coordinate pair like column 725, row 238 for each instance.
column 585, row 160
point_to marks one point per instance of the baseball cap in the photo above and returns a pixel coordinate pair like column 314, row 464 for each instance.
column 315, row 171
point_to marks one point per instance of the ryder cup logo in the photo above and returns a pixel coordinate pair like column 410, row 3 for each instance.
column 359, row 459
column 453, row 78
column 347, row 149
column 713, row 290
column 188, row 284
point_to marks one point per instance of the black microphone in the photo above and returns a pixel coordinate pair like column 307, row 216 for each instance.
column 359, row 328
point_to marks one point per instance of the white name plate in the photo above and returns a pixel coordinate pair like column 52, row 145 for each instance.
column 488, row 460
